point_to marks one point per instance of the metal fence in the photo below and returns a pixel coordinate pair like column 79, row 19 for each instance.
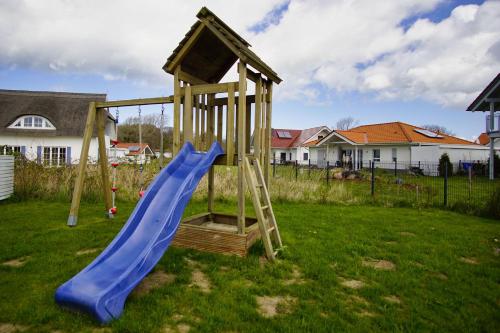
column 421, row 183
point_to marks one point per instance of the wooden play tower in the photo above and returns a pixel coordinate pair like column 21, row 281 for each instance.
column 207, row 110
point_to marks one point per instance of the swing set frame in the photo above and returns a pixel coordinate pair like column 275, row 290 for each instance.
column 206, row 110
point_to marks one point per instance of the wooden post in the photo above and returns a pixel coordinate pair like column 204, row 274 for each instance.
column 257, row 124
column 77, row 191
column 103, row 159
column 241, row 145
column 177, row 113
column 248, row 128
column 197, row 114
column 220, row 114
column 210, row 139
column 267, row 153
column 230, row 125
column 188, row 116
column 203, row 130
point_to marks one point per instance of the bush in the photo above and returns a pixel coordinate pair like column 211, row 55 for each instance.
column 496, row 160
column 444, row 163
column 493, row 204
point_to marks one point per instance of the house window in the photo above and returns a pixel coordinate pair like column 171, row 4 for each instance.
column 10, row 150
column 32, row 122
column 394, row 154
column 282, row 157
column 376, row 155
column 54, row 156
column 306, row 156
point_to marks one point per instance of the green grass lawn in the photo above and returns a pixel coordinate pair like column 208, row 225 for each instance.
column 442, row 273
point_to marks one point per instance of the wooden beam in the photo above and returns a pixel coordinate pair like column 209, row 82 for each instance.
column 230, row 125
column 257, row 124
column 210, row 140
column 253, row 76
column 177, row 113
column 223, row 100
column 197, row 115
column 248, row 128
column 220, row 114
column 203, row 130
column 242, row 103
column 135, row 102
column 187, row 130
column 267, row 153
column 102, row 115
column 212, row 88
column 190, row 78
column 82, row 166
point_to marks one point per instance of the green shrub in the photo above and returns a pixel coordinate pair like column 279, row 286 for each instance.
column 493, row 204
column 444, row 163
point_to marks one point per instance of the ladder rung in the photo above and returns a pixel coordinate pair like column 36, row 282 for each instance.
column 270, row 229
column 259, row 185
column 275, row 253
column 265, row 207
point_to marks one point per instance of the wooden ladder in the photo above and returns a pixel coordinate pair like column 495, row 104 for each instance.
column 263, row 208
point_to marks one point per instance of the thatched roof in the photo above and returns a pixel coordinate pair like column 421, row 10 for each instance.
column 66, row 111
column 210, row 49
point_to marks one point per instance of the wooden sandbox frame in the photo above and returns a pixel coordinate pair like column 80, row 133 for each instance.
column 206, row 110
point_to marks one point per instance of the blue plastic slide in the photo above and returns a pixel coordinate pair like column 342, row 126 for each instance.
column 103, row 286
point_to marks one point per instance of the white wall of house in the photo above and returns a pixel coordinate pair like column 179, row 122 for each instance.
column 291, row 154
column 75, row 143
column 457, row 153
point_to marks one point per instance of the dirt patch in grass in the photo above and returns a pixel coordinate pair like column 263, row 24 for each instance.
column 200, row 280
column 392, row 299
column 469, row 260
column 440, row 276
column 391, row 242
column 353, row 284
column 270, row 306
column 102, row 330
column 355, row 299
column 153, row 281
column 385, row 265
column 296, row 277
column 12, row 328
column 18, row 262
column 180, row 328
column 407, row 233
column 86, row 251
column 365, row 313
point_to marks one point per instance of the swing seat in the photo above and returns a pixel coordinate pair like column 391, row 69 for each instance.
column 114, row 189
column 115, row 142
column 115, row 164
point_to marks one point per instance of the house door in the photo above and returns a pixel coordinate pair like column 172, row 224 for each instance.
column 321, row 162
column 282, row 158
column 359, row 159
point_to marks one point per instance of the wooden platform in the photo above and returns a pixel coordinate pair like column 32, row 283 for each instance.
column 217, row 233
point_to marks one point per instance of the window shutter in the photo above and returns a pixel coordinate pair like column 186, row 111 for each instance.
column 39, row 154
column 23, row 150
column 68, row 155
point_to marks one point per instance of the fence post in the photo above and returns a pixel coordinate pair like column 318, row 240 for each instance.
column 446, row 183
column 274, row 165
column 296, row 170
column 395, row 168
column 327, row 172
column 309, row 168
column 372, row 166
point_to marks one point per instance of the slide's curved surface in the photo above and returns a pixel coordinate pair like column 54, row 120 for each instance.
column 103, row 286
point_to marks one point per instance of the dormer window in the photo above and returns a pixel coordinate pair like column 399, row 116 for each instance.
column 32, row 122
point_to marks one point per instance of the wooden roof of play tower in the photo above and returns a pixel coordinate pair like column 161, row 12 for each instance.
column 211, row 48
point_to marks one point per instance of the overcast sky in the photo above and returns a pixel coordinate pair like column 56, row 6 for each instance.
column 417, row 61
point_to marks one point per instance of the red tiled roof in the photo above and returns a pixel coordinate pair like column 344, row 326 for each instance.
column 396, row 132
column 483, row 139
column 298, row 137
column 128, row 145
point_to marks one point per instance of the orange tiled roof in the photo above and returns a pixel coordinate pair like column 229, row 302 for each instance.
column 396, row 132
column 483, row 139
column 128, row 145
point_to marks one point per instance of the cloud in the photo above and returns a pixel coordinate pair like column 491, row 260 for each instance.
column 319, row 47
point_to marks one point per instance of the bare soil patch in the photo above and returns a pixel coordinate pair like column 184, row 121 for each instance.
column 469, row 260
column 407, row 233
column 358, row 300
column 296, row 277
column 86, row 251
column 180, row 328
column 392, row 299
column 200, row 280
column 18, row 262
column 270, row 306
column 153, row 281
column 391, row 242
column 365, row 313
column 12, row 328
column 353, row 284
column 385, row 265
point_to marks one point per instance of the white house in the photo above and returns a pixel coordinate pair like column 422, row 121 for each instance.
column 48, row 126
column 133, row 152
column 290, row 145
column 387, row 143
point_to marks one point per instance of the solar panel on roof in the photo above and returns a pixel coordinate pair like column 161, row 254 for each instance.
column 284, row 135
column 134, row 148
column 428, row 133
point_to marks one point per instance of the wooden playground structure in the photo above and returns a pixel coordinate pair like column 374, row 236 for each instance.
column 206, row 110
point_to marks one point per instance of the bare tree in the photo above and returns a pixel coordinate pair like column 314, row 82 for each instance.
column 346, row 123
column 148, row 119
column 438, row 129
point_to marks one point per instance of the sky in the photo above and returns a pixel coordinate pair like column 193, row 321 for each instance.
column 416, row 61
